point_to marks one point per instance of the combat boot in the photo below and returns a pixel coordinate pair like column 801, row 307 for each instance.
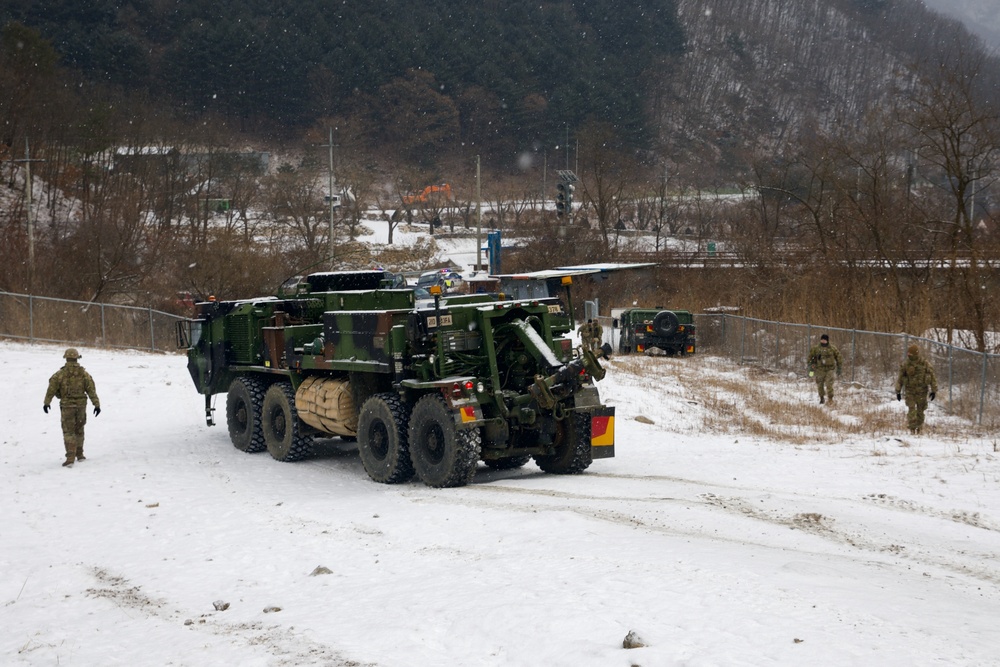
column 68, row 463
column 80, row 456
column 822, row 400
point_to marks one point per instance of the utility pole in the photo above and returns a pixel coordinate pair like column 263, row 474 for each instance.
column 479, row 218
column 332, row 199
column 567, row 146
column 31, row 223
column 545, row 176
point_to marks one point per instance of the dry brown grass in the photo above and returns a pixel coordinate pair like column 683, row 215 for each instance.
column 749, row 400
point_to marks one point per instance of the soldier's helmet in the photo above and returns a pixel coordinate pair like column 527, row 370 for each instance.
column 71, row 353
column 913, row 350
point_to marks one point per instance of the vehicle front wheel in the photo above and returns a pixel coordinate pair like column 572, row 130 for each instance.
column 443, row 455
column 281, row 425
column 243, row 406
column 382, row 440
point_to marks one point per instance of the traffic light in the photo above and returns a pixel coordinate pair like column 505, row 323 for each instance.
column 564, row 199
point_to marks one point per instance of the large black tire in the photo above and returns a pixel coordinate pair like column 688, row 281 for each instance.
column 572, row 443
column 443, row 455
column 508, row 462
column 243, row 406
column 382, row 438
column 281, row 425
column 665, row 323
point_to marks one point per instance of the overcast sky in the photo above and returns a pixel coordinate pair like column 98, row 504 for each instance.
column 981, row 16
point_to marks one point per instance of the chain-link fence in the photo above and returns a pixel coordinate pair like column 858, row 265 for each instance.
column 48, row 320
column 968, row 381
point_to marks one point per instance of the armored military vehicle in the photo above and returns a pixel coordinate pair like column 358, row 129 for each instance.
column 642, row 330
column 427, row 387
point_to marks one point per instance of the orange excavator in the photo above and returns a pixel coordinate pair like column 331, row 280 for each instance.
column 425, row 195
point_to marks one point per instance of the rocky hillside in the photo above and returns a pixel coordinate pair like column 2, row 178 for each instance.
column 759, row 72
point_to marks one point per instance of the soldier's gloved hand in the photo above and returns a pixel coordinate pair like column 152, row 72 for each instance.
column 46, row 408
column 899, row 396
column 931, row 396
column 97, row 411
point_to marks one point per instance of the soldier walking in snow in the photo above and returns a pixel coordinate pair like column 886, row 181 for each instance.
column 596, row 335
column 586, row 333
column 72, row 385
column 916, row 377
column 824, row 360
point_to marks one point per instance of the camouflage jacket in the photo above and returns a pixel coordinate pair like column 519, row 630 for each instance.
column 72, row 384
column 916, row 376
column 824, row 358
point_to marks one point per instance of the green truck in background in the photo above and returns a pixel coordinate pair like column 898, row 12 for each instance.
column 645, row 329
column 426, row 387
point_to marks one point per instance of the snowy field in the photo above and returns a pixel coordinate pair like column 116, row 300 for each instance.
column 717, row 549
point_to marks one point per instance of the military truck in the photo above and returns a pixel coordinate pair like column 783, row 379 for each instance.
column 427, row 388
column 642, row 330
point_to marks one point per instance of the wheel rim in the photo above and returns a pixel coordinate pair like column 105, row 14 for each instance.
column 434, row 447
column 240, row 416
column 278, row 421
column 378, row 440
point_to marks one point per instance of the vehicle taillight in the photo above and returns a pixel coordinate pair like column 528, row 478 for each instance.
column 460, row 389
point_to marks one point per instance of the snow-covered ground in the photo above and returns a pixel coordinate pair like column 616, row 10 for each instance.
column 716, row 548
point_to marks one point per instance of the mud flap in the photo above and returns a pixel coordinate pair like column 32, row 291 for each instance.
column 602, row 433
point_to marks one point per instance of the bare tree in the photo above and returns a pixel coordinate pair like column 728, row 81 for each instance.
column 956, row 125
column 294, row 200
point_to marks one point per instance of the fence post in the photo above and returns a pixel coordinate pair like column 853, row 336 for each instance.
column 854, row 352
column 152, row 332
column 809, row 337
column 743, row 341
column 104, row 329
column 31, row 319
column 777, row 344
column 982, row 389
column 951, row 372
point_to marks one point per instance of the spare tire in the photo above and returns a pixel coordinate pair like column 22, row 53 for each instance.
column 665, row 323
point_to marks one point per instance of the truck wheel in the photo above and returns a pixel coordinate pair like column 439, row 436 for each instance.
column 281, row 426
column 665, row 323
column 243, row 404
column 382, row 438
column 508, row 462
column 572, row 443
column 443, row 454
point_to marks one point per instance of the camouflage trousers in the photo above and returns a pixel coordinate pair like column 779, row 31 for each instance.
column 824, row 383
column 73, row 420
column 916, row 404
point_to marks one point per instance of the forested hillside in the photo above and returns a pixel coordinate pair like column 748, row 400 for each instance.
column 419, row 75
column 759, row 74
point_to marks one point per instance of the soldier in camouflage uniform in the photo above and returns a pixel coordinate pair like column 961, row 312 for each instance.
column 596, row 335
column 916, row 377
column 586, row 333
column 72, row 385
column 824, row 361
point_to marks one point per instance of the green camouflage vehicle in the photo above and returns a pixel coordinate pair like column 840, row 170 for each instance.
column 427, row 387
column 641, row 330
